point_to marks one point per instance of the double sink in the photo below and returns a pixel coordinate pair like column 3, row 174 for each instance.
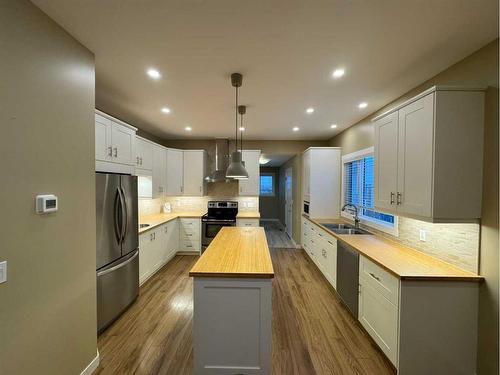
column 344, row 229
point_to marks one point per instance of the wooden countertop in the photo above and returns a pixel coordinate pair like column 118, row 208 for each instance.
column 401, row 261
column 248, row 215
column 158, row 219
column 236, row 252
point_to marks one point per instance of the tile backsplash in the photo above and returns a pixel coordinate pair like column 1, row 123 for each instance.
column 455, row 243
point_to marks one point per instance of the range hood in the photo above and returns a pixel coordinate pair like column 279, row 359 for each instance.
column 221, row 158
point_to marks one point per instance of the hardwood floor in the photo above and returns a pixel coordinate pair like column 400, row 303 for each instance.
column 276, row 235
column 313, row 334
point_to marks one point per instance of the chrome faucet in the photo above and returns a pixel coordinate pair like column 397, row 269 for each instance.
column 356, row 217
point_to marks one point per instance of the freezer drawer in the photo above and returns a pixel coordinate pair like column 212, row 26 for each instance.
column 117, row 288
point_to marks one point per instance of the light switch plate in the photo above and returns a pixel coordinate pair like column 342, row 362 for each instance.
column 423, row 235
column 3, row 271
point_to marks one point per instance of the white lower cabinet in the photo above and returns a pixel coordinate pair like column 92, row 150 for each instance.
column 156, row 247
column 379, row 317
column 321, row 248
column 247, row 222
column 190, row 234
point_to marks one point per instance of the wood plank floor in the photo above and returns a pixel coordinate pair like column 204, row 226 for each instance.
column 312, row 332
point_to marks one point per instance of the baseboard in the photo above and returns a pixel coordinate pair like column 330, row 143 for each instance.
column 188, row 253
column 92, row 366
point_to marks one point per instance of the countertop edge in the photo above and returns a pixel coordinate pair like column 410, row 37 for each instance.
column 166, row 220
column 237, row 275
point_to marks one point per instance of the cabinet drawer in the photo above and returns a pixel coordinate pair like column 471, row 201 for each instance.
column 380, row 279
column 189, row 245
column 190, row 235
column 190, row 222
column 248, row 222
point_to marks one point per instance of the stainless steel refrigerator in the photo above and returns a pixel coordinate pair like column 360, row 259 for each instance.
column 117, row 245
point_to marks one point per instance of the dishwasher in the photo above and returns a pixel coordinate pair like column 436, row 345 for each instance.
column 348, row 276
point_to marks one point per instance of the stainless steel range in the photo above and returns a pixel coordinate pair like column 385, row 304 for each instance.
column 220, row 214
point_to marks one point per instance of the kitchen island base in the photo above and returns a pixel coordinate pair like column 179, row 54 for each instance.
column 232, row 326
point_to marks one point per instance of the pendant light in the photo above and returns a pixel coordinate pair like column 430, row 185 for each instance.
column 236, row 169
column 241, row 110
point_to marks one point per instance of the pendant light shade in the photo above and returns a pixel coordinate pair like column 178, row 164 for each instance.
column 236, row 169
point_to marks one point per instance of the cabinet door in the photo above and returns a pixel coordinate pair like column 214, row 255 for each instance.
column 386, row 162
column 148, row 254
column 175, row 172
column 173, row 237
column 123, row 142
column 251, row 186
column 159, row 171
column 144, row 154
column 103, row 150
column 415, row 157
column 330, row 260
column 380, row 319
column 194, row 169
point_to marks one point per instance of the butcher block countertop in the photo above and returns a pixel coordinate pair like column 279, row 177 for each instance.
column 248, row 215
column 158, row 219
column 401, row 261
column 239, row 252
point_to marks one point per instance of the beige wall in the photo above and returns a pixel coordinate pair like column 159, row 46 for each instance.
column 48, row 304
column 269, row 206
column 479, row 69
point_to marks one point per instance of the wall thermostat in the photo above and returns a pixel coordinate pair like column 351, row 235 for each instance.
column 46, row 203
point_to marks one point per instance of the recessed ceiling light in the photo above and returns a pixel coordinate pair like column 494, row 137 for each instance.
column 153, row 73
column 362, row 105
column 166, row 110
column 242, row 128
column 295, row 128
column 310, row 110
column 188, row 128
column 337, row 73
column 333, row 126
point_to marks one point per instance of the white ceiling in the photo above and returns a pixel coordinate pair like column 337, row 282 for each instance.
column 286, row 50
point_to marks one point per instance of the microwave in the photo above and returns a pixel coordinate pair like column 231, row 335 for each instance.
column 306, row 208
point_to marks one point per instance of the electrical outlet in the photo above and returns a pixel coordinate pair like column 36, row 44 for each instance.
column 423, row 235
column 3, row 271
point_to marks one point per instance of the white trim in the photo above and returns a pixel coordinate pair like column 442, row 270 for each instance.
column 92, row 366
column 425, row 93
column 369, row 222
column 117, row 120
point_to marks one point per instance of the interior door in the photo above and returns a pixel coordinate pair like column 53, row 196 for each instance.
column 123, row 140
column 386, row 162
column 288, row 201
column 415, row 157
column 175, row 171
column 108, row 243
column 130, row 214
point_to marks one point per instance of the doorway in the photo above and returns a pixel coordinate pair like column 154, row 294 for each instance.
column 289, row 202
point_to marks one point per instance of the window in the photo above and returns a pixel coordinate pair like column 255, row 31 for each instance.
column 358, row 189
column 267, row 184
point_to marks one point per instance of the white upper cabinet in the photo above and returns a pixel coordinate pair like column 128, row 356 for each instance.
column 159, row 171
column 386, row 152
column 114, row 144
column 175, row 172
column 143, row 154
column 103, row 148
column 251, row 186
column 194, row 172
column 321, row 173
column 428, row 156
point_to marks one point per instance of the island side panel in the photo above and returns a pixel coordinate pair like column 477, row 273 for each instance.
column 232, row 326
column 438, row 327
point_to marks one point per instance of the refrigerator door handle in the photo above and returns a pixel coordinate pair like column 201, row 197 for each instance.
column 114, row 268
column 117, row 216
column 124, row 213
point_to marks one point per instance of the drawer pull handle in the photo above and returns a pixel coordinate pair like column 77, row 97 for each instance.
column 375, row 277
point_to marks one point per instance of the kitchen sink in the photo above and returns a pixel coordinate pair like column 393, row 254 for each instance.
column 144, row 225
column 334, row 227
column 349, row 231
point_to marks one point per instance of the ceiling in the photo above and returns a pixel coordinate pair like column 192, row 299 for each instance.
column 275, row 160
column 285, row 49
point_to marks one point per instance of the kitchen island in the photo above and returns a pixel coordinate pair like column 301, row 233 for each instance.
column 232, row 304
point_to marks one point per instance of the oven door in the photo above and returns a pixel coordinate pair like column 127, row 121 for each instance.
column 211, row 228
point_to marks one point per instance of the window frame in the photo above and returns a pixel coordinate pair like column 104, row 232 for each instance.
column 366, row 220
column 273, row 175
